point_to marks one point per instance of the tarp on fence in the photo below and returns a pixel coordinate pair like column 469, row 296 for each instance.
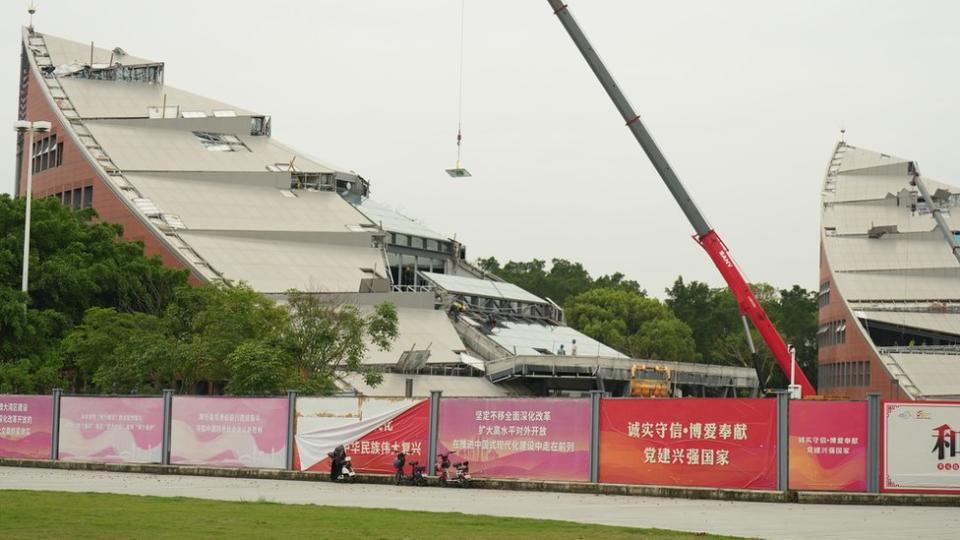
column 111, row 429
column 725, row 443
column 373, row 430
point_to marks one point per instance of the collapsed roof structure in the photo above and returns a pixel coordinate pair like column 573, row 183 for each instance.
column 206, row 187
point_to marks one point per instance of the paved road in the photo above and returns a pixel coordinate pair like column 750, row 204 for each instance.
column 763, row 520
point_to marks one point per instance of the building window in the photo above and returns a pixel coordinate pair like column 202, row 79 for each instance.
column 76, row 198
column 220, row 142
column 855, row 374
column 832, row 333
column 260, row 125
column 823, row 298
column 47, row 153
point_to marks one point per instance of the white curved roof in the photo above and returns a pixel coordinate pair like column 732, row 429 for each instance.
column 890, row 263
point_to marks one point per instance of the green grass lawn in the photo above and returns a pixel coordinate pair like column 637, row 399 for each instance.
column 49, row 514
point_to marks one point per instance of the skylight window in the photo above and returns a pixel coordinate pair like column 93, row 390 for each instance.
column 220, row 142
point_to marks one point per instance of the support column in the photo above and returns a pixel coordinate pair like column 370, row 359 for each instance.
column 783, row 440
column 291, row 425
column 55, row 431
column 435, row 396
column 167, row 422
column 873, row 443
column 595, row 397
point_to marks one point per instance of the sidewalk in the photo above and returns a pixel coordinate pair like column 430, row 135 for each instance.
column 752, row 519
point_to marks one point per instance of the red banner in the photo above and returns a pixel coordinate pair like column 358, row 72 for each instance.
column 724, row 443
column 374, row 452
column 828, row 445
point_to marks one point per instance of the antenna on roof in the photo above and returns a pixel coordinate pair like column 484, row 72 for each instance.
column 31, row 9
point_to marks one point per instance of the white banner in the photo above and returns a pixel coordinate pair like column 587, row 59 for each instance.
column 325, row 423
column 920, row 450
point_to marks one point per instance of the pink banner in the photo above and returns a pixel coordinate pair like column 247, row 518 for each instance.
column 229, row 432
column 546, row 439
column 25, row 426
column 111, row 429
column 828, row 445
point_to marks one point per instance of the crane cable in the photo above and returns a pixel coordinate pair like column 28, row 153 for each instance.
column 460, row 89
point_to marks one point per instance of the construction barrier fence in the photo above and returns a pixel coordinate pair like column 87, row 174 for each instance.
column 764, row 444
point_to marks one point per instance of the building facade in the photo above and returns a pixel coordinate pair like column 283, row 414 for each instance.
column 889, row 281
column 206, row 187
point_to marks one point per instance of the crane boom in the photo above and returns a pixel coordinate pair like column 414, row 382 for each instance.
column 705, row 235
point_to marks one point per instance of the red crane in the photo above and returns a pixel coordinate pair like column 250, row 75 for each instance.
column 705, row 235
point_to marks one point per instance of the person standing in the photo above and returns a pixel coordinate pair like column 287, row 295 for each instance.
column 573, row 348
column 560, row 351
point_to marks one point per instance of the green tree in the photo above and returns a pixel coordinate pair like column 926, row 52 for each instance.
column 327, row 338
column 564, row 280
column 257, row 368
column 632, row 323
column 75, row 263
column 714, row 317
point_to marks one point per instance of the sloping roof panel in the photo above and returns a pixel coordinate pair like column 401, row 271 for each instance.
column 394, row 384
column 935, row 375
column 65, row 51
column 276, row 265
column 146, row 146
column 420, row 329
column 121, row 99
column 246, row 202
column 529, row 338
column 395, row 221
column 947, row 323
column 482, row 287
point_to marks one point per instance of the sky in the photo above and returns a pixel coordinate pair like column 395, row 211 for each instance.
column 745, row 98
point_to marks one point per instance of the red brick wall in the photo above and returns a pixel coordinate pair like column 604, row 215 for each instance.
column 76, row 172
column 856, row 347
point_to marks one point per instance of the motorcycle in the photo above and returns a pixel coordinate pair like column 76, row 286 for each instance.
column 341, row 466
column 416, row 476
column 346, row 471
column 461, row 471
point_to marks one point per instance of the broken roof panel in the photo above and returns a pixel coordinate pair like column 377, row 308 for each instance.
column 394, row 221
column 486, row 288
column 531, row 338
column 421, row 329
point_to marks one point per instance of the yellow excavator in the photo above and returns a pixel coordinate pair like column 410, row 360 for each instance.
column 650, row 381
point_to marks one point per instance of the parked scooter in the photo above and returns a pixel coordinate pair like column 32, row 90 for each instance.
column 341, row 466
column 460, row 476
column 416, row 476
